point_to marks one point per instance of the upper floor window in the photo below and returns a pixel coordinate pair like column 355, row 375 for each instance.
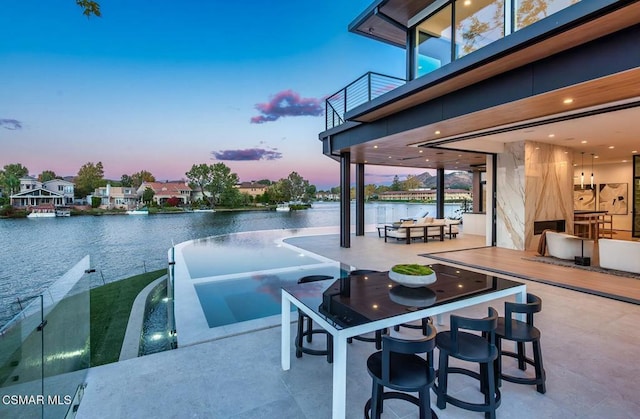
column 461, row 27
column 478, row 23
column 433, row 43
column 531, row 11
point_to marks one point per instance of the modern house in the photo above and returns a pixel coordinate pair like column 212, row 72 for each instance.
column 163, row 191
column 55, row 192
column 523, row 94
column 121, row 197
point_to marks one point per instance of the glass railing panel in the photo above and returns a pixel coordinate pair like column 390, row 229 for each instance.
column 21, row 364
column 66, row 339
column 44, row 350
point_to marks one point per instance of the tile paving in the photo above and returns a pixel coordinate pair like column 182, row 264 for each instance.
column 589, row 345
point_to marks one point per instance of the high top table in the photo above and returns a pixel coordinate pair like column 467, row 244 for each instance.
column 366, row 303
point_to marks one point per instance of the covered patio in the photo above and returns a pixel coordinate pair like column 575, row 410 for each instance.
column 589, row 354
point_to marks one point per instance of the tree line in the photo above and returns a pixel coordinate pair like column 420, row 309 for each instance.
column 216, row 183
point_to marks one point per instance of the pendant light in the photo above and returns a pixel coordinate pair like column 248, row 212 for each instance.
column 582, row 174
column 591, row 170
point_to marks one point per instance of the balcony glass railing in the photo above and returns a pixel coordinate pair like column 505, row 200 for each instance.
column 44, row 350
column 364, row 89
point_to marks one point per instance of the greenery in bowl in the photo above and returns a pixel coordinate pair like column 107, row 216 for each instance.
column 412, row 269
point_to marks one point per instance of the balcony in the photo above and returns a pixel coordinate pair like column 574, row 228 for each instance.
column 363, row 90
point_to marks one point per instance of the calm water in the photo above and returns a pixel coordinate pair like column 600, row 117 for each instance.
column 35, row 252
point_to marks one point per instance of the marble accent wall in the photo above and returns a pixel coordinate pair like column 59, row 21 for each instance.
column 510, row 199
column 548, row 187
column 534, row 183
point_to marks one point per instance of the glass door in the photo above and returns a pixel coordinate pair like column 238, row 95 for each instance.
column 636, row 197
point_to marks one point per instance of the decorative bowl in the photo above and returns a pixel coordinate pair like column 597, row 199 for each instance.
column 412, row 280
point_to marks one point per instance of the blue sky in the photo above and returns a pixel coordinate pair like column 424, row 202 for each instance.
column 162, row 85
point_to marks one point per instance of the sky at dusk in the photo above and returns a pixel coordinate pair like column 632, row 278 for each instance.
column 163, row 85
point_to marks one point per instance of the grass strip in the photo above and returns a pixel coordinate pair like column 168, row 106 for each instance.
column 110, row 309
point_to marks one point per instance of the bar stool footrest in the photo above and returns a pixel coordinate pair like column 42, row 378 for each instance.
column 474, row 407
column 396, row 395
column 521, row 380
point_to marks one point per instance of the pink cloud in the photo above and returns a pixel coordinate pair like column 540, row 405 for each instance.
column 287, row 103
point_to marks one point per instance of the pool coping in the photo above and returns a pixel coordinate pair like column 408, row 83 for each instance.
column 191, row 325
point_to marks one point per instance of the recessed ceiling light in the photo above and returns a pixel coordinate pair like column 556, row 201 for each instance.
column 624, row 161
column 583, row 142
column 551, row 135
column 567, row 101
column 389, row 156
column 634, row 151
column 611, row 147
column 537, row 148
column 467, row 2
column 421, row 151
column 596, row 157
column 366, row 161
column 375, row 146
column 427, row 160
column 437, row 132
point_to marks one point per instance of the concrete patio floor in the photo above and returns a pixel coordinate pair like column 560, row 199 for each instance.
column 589, row 343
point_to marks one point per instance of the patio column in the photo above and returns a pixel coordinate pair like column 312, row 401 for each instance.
column 360, row 199
column 440, row 193
column 345, row 199
column 477, row 191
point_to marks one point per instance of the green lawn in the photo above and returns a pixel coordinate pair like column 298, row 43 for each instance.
column 110, row 308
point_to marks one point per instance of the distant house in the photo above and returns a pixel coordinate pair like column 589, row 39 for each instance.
column 56, row 192
column 424, row 195
column 252, row 188
column 122, row 197
column 163, row 191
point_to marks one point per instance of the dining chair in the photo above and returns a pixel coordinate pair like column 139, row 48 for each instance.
column 459, row 343
column 308, row 331
column 400, row 366
column 521, row 333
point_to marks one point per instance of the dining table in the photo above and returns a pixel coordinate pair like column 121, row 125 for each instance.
column 360, row 304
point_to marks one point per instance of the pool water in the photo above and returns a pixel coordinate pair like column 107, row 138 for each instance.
column 231, row 284
column 251, row 297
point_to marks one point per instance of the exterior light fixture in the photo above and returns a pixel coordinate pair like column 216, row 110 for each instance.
column 567, row 101
column 591, row 170
column 582, row 174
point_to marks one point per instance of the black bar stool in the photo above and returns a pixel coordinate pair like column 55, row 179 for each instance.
column 399, row 367
column 471, row 348
column 521, row 333
column 309, row 331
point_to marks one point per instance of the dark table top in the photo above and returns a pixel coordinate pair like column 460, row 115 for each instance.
column 365, row 298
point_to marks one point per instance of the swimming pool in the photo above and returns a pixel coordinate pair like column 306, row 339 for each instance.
column 230, row 284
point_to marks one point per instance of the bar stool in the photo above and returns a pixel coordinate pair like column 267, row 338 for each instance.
column 521, row 333
column 309, row 331
column 377, row 338
column 471, row 348
column 399, row 367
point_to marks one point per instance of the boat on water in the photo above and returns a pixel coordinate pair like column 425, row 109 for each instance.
column 283, row 207
column 204, row 210
column 42, row 211
column 139, row 211
column 63, row 212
